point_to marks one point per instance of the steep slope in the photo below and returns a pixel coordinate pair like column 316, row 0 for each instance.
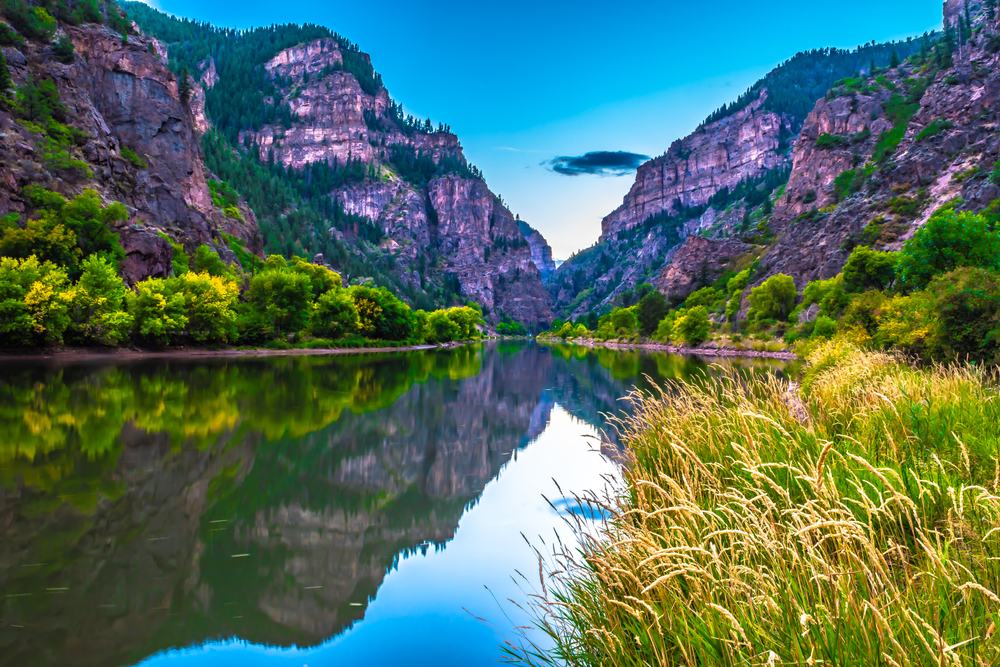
column 718, row 182
column 137, row 145
column 379, row 195
column 541, row 253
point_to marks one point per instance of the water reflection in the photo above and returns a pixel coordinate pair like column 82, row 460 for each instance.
column 152, row 505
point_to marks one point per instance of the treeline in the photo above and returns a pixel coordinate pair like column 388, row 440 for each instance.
column 794, row 86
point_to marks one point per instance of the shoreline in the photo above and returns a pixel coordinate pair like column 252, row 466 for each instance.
column 128, row 354
column 697, row 351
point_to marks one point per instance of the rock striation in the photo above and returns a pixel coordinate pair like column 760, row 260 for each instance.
column 541, row 253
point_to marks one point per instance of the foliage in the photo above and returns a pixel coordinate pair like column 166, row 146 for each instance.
column 773, row 299
column 97, row 310
column 898, row 111
column 869, row 269
column 278, row 303
column 623, row 321
column 651, row 309
column 31, row 21
column 334, row 315
column 208, row 261
column 133, row 158
column 828, row 141
column 948, row 241
column 158, row 311
column 39, row 102
column 936, row 127
column 64, row 50
column 33, row 302
column 381, row 315
column 693, row 326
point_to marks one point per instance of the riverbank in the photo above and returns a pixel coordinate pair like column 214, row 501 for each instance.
column 852, row 519
column 111, row 354
column 671, row 349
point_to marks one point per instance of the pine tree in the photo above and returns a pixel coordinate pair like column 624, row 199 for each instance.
column 894, row 60
column 5, row 83
column 185, row 87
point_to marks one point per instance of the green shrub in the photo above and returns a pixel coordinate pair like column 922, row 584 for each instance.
column 381, row 315
column 133, row 158
column 936, row 127
column 32, row 22
column 828, row 141
column 948, row 241
column 97, row 309
column 10, row 38
column 208, row 261
column 334, row 315
column 824, row 327
column 278, row 302
column 34, row 298
column 623, row 319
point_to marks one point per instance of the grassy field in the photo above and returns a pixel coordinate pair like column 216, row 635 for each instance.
column 854, row 520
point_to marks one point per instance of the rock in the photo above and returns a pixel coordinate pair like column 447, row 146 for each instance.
column 697, row 263
column 541, row 253
column 147, row 255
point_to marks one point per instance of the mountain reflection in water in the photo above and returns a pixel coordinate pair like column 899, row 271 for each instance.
column 163, row 504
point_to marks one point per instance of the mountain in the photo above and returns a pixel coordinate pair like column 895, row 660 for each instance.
column 112, row 121
column 297, row 121
column 719, row 182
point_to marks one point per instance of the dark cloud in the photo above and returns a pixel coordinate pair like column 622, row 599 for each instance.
column 600, row 163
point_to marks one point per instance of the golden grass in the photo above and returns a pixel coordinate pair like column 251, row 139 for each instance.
column 853, row 522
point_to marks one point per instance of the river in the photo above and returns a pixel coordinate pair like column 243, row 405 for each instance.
column 297, row 511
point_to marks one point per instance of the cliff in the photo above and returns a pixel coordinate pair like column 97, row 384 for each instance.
column 121, row 96
column 541, row 253
column 716, row 156
column 440, row 224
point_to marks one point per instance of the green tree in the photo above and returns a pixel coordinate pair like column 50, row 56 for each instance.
column 184, row 86
column 40, row 102
column 869, row 269
column 98, row 304
column 323, row 279
column 63, row 50
column 33, row 302
column 208, row 261
column 623, row 320
column 894, row 59
column 774, row 298
column 441, row 328
column 278, row 302
column 651, row 309
column 158, row 311
column 693, row 327
column 334, row 315
column 381, row 315
column 948, row 241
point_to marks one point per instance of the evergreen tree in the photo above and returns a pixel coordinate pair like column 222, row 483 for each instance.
column 894, row 60
column 185, row 87
column 5, row 83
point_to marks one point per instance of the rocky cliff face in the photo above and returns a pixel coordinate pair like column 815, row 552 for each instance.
column 947, row 150
column 717, row 155
column 121, row 96
column 541, row 253
column 449, row 227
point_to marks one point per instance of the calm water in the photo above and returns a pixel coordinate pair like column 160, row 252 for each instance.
column 351, row 510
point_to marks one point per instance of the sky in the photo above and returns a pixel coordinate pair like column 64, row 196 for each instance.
column 532, row 86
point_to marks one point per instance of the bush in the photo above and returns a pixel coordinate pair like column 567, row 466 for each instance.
column 824, row 327
column 580, row 331
column 381, row 315
column 32, row 22
column 827, row 141
column 774, row 298
column 208, row 261
column 441, row 329
column 868, row 269
column 948, row 241
column 39, row 102
column 937, row 126
column 209, row 302
column 10, row 38
column 133, row 158
column 323, row 279
column 693, row 327
column 334, row 315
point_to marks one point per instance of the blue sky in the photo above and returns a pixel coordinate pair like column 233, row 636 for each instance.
column 524, row 81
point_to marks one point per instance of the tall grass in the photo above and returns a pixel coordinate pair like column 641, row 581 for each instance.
column 855, row 521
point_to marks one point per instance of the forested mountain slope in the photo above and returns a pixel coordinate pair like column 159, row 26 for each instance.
column 718, row 182
column 298, row 123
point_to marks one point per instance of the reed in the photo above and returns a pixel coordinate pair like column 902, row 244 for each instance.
column 852, row 521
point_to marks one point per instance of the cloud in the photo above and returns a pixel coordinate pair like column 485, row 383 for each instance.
column 598, row 163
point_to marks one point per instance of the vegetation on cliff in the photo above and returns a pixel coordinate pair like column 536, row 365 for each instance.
column 854, row 522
